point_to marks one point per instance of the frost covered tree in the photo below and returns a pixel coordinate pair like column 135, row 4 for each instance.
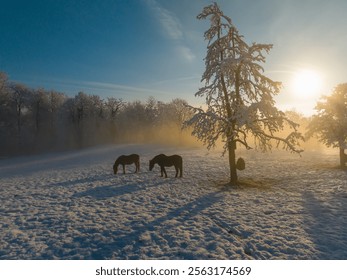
column 239, row 97
column 330, row 123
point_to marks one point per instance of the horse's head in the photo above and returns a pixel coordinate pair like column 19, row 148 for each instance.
column 151, row 165
column 115, row 168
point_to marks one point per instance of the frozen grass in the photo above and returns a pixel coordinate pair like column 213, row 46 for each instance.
column 72, row 206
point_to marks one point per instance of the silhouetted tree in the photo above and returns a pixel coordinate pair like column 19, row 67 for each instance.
column 5, row 115
column 330, row 122
column 181, row 111
column 3, row 82
column 4, row 97
column 113, row 108
column 114, row 105
column 19, row 98
column 151, row 111
column 239, row 97
column 39, row 108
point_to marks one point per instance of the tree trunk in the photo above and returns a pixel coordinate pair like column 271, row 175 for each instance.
column 343, row 157
column 232, row 163
column 227, row 104
column 19, row 127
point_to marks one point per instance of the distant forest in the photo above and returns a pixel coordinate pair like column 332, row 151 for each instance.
column 39, row 120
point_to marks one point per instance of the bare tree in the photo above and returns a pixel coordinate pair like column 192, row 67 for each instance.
column 19, row 96
column 330, row 123
column 151, row 111
column 180, row 111
column 4, row 95
column 5, row 118
column 56, row 101
column 239, row 97
column 114, row 105
column 3, row 82
column 39, row 106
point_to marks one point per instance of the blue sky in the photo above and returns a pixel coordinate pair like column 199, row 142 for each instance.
column 139, row 48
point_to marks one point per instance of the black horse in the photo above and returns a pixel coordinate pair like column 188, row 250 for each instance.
column 163, row 160
column 123, row 160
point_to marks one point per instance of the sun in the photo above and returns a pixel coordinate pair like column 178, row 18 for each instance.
column 307, row 83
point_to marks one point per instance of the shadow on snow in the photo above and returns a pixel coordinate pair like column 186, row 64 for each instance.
column 325, row 223
column 116, row 242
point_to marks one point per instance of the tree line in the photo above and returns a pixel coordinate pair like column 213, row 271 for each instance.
column 40, row 120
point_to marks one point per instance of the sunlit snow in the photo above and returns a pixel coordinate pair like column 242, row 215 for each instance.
column 72, row 206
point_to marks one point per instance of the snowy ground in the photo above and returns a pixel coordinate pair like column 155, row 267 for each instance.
column 71, row 206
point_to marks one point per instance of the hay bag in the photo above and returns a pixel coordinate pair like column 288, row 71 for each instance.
column 240, row 164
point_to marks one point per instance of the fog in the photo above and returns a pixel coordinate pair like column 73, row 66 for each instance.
column 37, row 121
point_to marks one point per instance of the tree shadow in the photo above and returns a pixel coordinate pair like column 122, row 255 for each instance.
column 116, row 241
column 185, row 212
column 247, row 183
column 90, row 179
column 105, row 192
column 326, row 224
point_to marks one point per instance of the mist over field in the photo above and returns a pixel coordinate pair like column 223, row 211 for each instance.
column 41, row 121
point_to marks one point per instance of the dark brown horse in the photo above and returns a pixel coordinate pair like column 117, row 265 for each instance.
column 163, row 160
column 125, row 160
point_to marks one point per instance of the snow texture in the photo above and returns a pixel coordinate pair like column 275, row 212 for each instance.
column 72, row 206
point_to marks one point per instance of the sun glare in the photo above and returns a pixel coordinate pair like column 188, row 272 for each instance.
column 307, row 84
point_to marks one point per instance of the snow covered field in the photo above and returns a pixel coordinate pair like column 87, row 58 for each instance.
column 72, row 206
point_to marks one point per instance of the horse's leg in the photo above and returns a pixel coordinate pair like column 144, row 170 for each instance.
column 181, row 170
column 163, row 171
column 123, row 168
column 138, row 166
column 176, row 168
